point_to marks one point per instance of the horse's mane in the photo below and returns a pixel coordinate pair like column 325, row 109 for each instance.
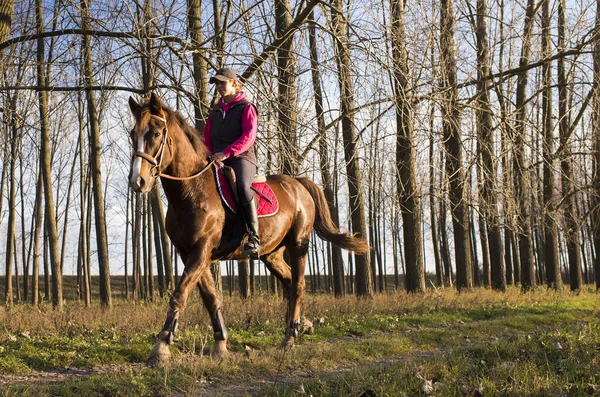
column 194, row 136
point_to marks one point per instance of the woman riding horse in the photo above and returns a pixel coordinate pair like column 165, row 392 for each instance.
column 200, row 227
column 229, row 134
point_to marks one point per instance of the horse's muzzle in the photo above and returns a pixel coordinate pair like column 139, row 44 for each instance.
column 140, row 185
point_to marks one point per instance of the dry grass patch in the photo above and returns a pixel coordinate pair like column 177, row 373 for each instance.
column 471, row 339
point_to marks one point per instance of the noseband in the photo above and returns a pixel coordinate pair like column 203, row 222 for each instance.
column 156, row 163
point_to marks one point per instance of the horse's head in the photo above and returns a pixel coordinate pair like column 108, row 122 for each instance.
column 151, row 142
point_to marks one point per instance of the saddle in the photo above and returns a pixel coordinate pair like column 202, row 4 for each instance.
column 263, row 194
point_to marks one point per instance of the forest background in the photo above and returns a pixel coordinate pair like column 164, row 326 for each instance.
column 459, row 137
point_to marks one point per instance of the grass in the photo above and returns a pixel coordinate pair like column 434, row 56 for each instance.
column 442, row 342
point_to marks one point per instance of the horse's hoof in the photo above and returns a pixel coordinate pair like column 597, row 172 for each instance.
column 219, row 350
column 160, row 354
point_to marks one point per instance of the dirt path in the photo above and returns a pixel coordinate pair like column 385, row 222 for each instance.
column 62, row 374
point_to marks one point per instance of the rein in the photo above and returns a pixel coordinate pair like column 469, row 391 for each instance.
column 155, row 171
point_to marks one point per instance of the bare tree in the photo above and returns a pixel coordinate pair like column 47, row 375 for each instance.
column 286, row 69
column 453, row 147
column 326, row 177
column 521, row 179
column 200, row 66
column 364, row 286
column 406, row 170
column 489, row 204
column 595, row 222
column 551, row 259
column 51, row 228
column 12, row 198
column 566, row 163
column 94, row 126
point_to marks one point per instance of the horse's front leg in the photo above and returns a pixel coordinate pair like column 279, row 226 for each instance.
column 195, row 264
column 209, row 295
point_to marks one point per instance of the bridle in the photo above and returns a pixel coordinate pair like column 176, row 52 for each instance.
column 156, row 162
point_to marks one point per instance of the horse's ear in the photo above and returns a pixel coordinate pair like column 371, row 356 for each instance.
column 155, row 104
column 133, row 105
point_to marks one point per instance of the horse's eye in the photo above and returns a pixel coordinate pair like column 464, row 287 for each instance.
column 157, row 135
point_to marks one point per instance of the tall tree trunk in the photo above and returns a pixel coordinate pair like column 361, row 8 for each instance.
column 453, row 146
column 326, row 177
column 506, row 135
column 286, row 78
column 149, row 239
column 12, row 205
column 439, row 270
column 444, row 245
column 63, row 245
column 84, row 203
column 94, row 127
column 435, row 227
column 244, row 278
column 474, row 253
column 200, row 66
column 596, row 149
column 137, row 214
column 5, row 163
column 38, row 219
column 159, row 252
column 551, row 258
column 130, row 193
column 570, row 211
column 158, row 213
column 46, row 257
column 17, row 284
column 88, row 233
column 521, row 179
column 406, row 169
column 357, row 209
column 483, row 236
column 26, row 252
column 51, row 228
column 371, row 227
column 486, row 142
column 145, row 251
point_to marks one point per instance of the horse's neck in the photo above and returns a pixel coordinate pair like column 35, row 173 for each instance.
column 187, row 161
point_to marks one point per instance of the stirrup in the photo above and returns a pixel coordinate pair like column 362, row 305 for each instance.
column 251, row 249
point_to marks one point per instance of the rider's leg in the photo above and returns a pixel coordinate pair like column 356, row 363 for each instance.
column 244, row 173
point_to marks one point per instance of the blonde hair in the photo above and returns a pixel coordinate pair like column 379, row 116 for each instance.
column 238, row 86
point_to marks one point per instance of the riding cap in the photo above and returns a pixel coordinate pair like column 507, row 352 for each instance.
column 223, row 74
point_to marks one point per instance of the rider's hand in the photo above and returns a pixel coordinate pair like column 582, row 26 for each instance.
column 219, row 156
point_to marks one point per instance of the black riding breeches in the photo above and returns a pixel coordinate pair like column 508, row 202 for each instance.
column 244, row 174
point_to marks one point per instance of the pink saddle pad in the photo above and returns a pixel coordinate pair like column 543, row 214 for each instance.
column 267, row 201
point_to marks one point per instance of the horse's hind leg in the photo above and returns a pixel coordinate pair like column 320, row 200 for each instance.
column 206, row 285
column 277, row 266
column 296, row 293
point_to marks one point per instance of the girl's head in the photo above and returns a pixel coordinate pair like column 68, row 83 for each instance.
column 226, row 82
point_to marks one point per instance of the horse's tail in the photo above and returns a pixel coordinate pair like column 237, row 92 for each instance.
column 324, row 225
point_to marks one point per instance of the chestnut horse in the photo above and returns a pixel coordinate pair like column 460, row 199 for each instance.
column 199, row 226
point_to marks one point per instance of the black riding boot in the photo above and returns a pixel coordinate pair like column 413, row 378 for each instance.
column 251, row 248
